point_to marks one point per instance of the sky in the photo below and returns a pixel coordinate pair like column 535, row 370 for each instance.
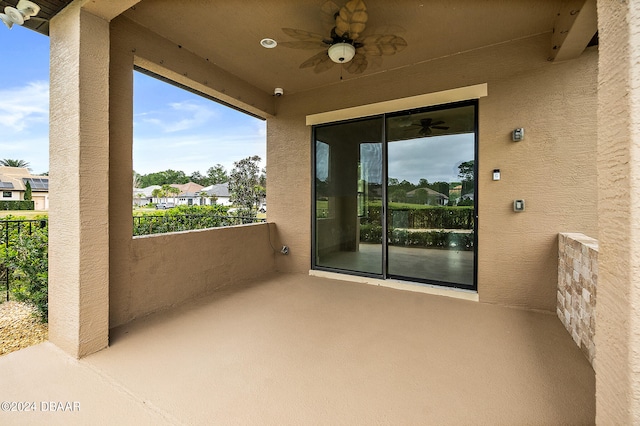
column 433, row 158
column 173, row 128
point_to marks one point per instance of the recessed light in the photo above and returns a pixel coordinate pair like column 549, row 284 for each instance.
column 269, row 43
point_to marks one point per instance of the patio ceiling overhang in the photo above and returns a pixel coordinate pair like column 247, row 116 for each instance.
column 227, row 34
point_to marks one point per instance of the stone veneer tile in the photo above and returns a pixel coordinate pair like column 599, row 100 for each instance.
column 577, row 288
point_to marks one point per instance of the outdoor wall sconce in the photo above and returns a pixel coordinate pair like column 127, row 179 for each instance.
column 23, row 11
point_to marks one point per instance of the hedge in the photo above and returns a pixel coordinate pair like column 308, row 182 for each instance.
column 439, row 217
column 412, row 238
column 17, row 205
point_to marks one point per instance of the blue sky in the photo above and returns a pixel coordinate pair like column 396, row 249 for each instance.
column 173, row 128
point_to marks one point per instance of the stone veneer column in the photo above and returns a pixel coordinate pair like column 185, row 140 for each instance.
column 617, row 336
column 79, row 172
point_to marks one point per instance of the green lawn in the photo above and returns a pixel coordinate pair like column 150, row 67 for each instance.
column 27, row 214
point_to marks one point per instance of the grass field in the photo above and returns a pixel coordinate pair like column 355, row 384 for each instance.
column 26, row 214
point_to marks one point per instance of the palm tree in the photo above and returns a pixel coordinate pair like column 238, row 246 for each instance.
column 14, row 163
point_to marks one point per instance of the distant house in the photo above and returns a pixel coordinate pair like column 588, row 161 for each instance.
column 13, row 181
column 432, row 197
column 143, row 196
column 189, row 194
column 220, row 191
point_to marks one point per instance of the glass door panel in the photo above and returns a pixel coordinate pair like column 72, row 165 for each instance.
column 431, row 196
column 349, row 182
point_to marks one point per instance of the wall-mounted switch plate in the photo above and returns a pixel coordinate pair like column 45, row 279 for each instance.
column 518, row 205
column 518, row 134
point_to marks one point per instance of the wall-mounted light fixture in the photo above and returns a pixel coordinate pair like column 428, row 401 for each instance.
column 23, row 11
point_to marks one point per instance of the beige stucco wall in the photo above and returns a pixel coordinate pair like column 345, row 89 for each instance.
column 79, row 170
column 168, row 269
column 617, row 334
column 553, row 169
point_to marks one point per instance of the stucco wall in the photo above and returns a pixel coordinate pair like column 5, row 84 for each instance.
column 618, row 318
column 553, row 169
column 168, row 269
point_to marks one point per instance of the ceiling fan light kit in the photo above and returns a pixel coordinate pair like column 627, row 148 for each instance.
column 341, row 53
column 348, row 42
column 23, row 11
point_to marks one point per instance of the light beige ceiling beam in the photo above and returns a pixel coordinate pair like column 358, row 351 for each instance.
column 107, row 9
column 575, row 25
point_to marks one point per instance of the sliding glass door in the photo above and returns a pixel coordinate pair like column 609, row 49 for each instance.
column 395, row 196
column 348, row 183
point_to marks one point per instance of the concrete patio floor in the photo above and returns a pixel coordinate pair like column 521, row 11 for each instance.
column 294, row 349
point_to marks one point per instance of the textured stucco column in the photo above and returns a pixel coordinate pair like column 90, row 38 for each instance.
column 617, row 334
column 79, row 171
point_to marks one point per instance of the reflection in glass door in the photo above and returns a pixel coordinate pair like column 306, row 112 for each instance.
column 348, row 196
column 431, row 195
column 395, row 196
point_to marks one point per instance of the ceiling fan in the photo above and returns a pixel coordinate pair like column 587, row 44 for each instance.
column 23, row 11
column 427, row 125
column 346, row 43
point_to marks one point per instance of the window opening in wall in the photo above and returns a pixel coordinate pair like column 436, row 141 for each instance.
column 197, row 162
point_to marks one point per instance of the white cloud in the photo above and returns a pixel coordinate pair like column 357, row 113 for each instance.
column 25, row 106
column 180, row 116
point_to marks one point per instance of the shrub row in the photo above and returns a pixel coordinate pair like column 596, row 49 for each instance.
column 430, row 239
column 16, row 205
column 425, row 218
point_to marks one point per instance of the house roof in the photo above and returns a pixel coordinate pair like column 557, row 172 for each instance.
column 190, row 189
column 429, row 192
column 15, row 178
column 219, row 190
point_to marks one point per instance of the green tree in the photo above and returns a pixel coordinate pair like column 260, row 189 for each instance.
column 244, row 184
column 14, row 163
column 163, row 178
column 199, row 179
column 467, row 174
column 217, row 174
column 27, row 191
column 158, row 193
column 172, row 190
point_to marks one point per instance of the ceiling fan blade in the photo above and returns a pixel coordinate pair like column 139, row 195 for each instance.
column 357, row 65
column 324, row 64
column 329, row 10
column 352, row 19
column 383, row 44
column 315, row 60
column 320, row 62
column 426, row 122
column 440, row 127
column 302, row 35
column 308, row 45
column 437, row 123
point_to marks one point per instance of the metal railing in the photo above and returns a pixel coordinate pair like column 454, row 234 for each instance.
column 160, row 224
column 10, row 230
